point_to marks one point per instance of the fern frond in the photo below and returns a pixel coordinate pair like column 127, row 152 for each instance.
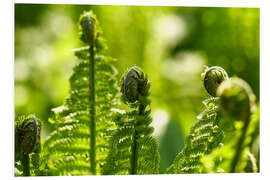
column 132, row 149
column 217, row 144
column 238, row 103
column 121, row 158
column 205, row 135
column 79, row 143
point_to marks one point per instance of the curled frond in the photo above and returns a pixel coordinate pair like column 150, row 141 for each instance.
column 27, row 144
column 236, row 97
column 135, row 86
column 238, row 100
column 27, row 134
column 212, row 78
column 87, row 26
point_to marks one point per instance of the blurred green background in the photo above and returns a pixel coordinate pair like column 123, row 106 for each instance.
column 171, row 44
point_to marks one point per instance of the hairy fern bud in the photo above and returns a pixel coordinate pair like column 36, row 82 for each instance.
column 236, row 97
column 135, row 86
column 27, row 134
column 87, row 26
column 212, row 78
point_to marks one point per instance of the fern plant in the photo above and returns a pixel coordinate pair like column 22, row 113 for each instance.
column 238, row 104
column 92, row 137
column 27, row 145
column 215, row 133
column 79, row 143
column 132, row 149
column 206, row 134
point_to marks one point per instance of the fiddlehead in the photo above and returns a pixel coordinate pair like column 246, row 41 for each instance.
column 135, row 87
column 238, row 100
column 87, row 28
column 78, row 145
column 27, row 141
column 132, row 149
column 212, row 78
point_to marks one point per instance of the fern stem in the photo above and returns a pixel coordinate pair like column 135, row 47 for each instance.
column 92, row 110
column 239, row 145
column 25, row 163
column 134, row 155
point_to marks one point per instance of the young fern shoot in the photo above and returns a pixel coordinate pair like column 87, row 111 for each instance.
column 238, row 100
column 79, row 144
column 132, row 149
column 209, row 146
column 239, row 113
column 27, row 142
column 205, row 135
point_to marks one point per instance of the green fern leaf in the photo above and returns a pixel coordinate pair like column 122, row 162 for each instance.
column 205, row 135
column 78, row 145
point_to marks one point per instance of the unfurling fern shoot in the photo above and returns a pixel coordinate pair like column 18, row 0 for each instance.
column 239, row 121
column 238, row 100
column 132, row 149
column 79, row 144
column 27, row 141
column 205, row 135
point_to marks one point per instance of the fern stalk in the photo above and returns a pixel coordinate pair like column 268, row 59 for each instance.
column 92, row 110
column 239, row 146
column 26, row 165
column 133, row 161
column 134, row 145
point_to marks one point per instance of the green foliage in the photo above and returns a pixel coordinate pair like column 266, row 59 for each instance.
column 228, row 37
column 205, row 135
column 132, row 149
column 79, row 143
column 215, row 35
column 219, row 161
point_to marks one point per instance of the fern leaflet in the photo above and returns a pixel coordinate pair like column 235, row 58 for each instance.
column 205, row 135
